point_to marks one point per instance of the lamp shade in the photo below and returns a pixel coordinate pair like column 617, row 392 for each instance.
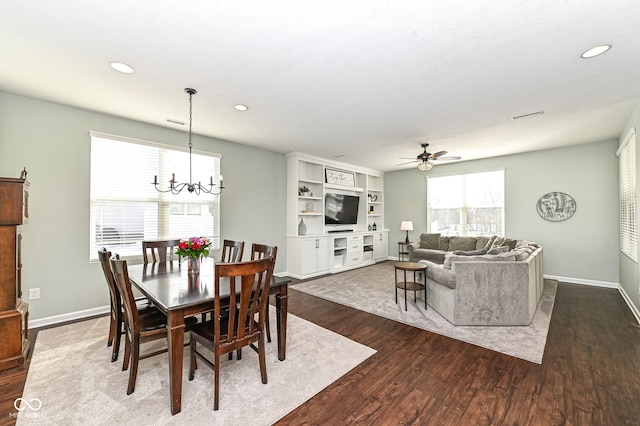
column 406, row 225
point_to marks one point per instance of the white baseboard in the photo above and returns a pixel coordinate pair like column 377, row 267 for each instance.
column 633, row 308
column 71, row 316
column 582, row 281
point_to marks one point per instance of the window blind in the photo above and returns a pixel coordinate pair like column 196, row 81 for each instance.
column 466, row 204
column 126, row 208
column 628, row 196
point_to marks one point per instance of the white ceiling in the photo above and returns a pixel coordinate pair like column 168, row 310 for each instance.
column 367, row 80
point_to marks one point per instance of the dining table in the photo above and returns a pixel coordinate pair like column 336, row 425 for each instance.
column 170, row 287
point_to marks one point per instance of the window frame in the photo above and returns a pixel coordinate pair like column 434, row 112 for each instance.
column 628, row 196
column 158, row 213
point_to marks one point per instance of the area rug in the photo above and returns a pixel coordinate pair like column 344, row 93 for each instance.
column 371, row 289
column 72, row 381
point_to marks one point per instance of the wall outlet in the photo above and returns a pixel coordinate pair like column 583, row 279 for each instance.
column 34, row 293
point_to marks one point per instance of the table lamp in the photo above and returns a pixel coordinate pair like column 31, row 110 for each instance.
column 406, row 225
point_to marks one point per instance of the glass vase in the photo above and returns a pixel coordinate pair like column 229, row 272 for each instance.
column 193, row 265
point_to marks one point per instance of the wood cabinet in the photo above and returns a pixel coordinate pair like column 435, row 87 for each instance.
column 309, row 256
column 14, row 312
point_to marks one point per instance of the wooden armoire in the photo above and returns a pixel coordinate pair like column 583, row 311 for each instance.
column 14, row 312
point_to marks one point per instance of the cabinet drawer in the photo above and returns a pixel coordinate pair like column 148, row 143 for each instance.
column 354, row 258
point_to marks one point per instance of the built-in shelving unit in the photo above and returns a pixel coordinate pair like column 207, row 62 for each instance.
column 314, row 248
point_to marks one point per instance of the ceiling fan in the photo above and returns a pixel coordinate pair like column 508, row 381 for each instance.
column 423, row 158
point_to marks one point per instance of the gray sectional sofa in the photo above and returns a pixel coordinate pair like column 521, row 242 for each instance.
column 481, row 280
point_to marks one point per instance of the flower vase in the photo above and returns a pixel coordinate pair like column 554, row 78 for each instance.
column 193, row 266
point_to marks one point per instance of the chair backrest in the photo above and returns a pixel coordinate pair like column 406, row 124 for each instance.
column 114, row 293
column 260, row 251
column 121, row 277
column 248, row 288
column 232, row 251
column 161, row 250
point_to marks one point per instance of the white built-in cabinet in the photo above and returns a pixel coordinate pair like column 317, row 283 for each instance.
column 314, row 248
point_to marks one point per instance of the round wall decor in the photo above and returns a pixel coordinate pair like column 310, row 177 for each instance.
column 556, row 206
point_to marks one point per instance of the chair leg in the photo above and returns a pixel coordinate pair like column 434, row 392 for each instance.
column 216, row 381
column 112, row 330
column 192, row 358
column 266, row 322
column 134, row 366
column 118, row 337
column 262, row 359
column 127, row 353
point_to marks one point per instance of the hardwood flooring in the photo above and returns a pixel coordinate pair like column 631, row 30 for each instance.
column 590, row 373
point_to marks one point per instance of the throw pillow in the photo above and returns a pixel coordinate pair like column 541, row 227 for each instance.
column 462, row 243
column 430, row 241
column 471, row 252
column 498, row 250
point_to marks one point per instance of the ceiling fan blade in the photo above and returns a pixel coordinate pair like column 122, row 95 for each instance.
column 408, row 162
column 437, row 154
column 450, row 158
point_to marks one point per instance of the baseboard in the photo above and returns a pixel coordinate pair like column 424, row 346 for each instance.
column 633, row 308
column 582, row 281
column 71, row 316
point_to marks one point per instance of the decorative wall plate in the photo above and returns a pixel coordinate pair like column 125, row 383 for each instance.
column 556, row 206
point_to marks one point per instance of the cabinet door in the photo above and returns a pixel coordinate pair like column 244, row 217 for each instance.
column 315, row 255
column 380, row 245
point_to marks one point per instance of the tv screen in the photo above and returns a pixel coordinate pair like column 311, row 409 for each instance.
column 341, row 209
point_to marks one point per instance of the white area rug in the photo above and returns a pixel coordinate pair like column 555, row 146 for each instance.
column 371, row 289
column 73, row 378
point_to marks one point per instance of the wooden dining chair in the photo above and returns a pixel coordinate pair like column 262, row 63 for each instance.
column 160, row 250
column 232, row 251
column 116, row 311
column 248, row 288
column 260, row 251
column 139, row 328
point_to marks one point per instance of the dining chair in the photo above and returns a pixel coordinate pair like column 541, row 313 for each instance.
column 232, row 251
column 161, row 250
column 260, row 251
column 248, row 289
column 116, row 311
column 138, row 328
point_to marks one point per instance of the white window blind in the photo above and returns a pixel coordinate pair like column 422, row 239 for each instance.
column 628, row 196
column 126, row 208
column 467, row 204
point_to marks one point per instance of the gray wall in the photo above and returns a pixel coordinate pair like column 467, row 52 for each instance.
column 53, row 142
column 583, row 248
column 629, row 272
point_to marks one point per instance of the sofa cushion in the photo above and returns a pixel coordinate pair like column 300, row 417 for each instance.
column 481, row 242
column 462, row 243
column 430, row 241
column 428, row 254
column 471, row 252
column 498, row 250
column 451, row 258
column 444, row 243
column 503, row 241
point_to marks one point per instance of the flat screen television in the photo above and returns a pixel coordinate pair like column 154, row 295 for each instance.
column 341, row 209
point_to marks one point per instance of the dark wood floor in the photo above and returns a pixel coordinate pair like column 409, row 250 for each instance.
column 590, row 373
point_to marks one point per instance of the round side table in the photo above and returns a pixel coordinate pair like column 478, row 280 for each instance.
column 410, row 285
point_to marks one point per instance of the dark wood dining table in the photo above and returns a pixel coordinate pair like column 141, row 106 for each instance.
column 170, row 288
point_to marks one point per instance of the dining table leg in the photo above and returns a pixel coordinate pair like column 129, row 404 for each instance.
column 175, row 332
column 281, row 319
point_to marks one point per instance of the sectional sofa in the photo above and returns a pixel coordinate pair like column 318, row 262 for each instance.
column 481, row 280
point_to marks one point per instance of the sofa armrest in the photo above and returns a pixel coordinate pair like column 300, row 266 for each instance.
column 412, row 246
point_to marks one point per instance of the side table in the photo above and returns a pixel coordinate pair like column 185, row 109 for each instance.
column 410, row 285
column 402, row 250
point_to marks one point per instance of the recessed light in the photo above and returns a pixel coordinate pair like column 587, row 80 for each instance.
column 241, row 107
column 595, row 51
column 121, row 67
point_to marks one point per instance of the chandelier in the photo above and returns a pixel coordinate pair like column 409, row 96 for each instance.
column 425, row 165
column 175, row 187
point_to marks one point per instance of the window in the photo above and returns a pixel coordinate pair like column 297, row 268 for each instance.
column 470, row 204
column 126, row 208
column 628, row 195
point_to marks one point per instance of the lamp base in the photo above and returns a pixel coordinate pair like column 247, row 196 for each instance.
column 406, row 240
